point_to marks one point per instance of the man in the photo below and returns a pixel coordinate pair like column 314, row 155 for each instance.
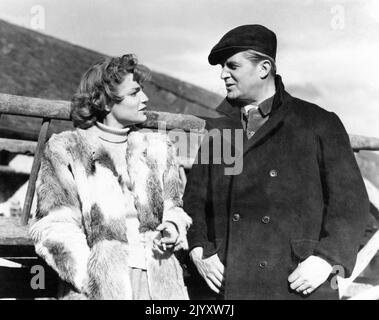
column 299, row 206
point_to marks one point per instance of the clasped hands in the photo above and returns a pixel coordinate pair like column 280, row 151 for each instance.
column 167, row 241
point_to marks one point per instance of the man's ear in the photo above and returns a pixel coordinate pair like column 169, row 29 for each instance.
column 264, row 69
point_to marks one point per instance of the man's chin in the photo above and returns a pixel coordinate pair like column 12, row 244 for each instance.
column 232, row 98
column 231, row 95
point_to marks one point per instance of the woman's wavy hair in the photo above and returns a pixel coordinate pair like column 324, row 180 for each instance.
column 99, row 87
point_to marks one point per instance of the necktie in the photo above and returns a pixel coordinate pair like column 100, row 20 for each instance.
column 253, row 120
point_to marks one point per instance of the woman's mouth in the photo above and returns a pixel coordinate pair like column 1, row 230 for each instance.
column 142, row 109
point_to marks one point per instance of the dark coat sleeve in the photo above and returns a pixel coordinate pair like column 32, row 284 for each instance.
column 346, row 202
column 196, row 202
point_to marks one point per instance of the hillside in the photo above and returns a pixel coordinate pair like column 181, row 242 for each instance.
column 36, row 65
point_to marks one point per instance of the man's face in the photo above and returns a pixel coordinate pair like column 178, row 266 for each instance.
column 241, row 77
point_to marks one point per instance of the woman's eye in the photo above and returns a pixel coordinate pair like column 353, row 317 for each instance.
column 134, row 92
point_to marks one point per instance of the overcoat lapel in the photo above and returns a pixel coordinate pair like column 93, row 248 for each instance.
column 233, row 114
column 279, row 110
column 266, row 130
column 232, row 121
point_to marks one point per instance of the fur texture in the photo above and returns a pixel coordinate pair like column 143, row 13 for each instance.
column 88, row 208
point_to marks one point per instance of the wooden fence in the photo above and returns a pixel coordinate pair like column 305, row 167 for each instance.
column 48, row 110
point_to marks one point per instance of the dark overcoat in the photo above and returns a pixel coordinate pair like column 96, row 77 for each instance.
column 300, row 193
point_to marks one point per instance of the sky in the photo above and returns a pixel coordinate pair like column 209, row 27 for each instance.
column 327, row 49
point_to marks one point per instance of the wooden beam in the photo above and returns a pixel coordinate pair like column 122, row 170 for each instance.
column 34, row 107
column 364, row 257
column 7, row 169
column 29, row 147
column 12, row 232
column 18, row 146
column 170, row 121
column 14, row 133
column 364, row 143
column 369, row 294
column 57, row 109
column 9, row 264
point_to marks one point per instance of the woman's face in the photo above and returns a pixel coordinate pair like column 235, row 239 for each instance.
column 130, row 110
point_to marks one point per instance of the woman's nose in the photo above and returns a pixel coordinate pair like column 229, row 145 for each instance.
column 144, row 97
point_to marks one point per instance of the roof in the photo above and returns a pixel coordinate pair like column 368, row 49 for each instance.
column 36, row 65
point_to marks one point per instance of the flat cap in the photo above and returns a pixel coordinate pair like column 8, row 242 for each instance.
column 252, row 36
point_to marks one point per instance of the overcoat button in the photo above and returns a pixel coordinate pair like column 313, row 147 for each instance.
column 263, row 264
column 236, row 217
column 266, row 219
column 273, row 173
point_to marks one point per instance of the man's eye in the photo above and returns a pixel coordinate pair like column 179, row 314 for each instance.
column 231, row 66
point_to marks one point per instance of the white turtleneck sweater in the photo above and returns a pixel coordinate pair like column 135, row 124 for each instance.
column 115, row 141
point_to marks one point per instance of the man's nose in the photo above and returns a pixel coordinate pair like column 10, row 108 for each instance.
column 224, row 73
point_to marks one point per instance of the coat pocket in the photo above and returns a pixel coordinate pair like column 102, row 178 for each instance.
column 302, row 248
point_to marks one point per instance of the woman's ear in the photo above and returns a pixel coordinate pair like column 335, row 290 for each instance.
column 107, row 108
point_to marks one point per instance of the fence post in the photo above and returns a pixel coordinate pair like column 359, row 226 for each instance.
column 42, row 137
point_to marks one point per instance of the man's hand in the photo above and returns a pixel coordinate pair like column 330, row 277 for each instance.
column 211, row 269
column 310, row 274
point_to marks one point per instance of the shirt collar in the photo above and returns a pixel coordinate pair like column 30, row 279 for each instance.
column 264, row 107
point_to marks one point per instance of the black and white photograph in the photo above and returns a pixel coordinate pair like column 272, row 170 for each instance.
column 198, row 151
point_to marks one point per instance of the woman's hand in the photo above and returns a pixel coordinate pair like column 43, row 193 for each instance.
column 169, row 238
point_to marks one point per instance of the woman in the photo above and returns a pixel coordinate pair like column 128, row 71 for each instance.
column 109, row 196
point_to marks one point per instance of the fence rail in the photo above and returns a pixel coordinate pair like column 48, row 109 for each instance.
column 49, row 110
column 34, row 107
column 60, row 110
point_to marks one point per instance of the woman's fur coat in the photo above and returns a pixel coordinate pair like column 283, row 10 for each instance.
column 88, row 208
